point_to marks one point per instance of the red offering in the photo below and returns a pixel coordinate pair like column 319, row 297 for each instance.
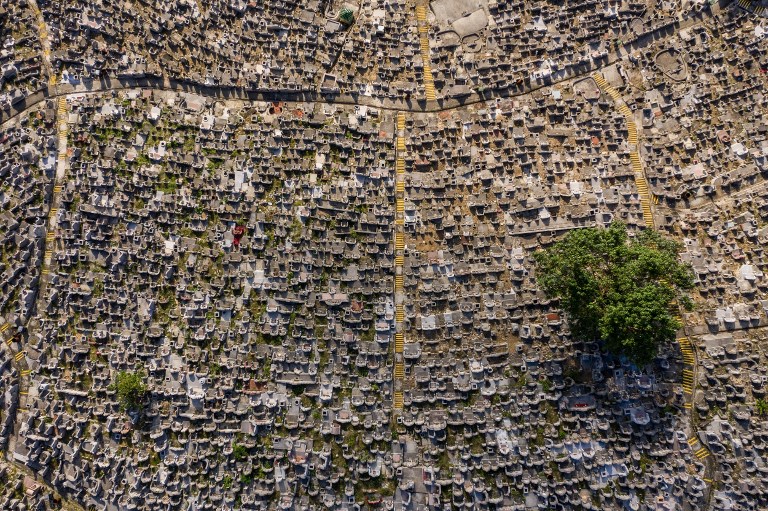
column 238, row 231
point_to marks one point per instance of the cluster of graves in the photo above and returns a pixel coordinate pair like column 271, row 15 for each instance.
column 294, row 46
column 239, row 257
column 504, row 407
column 21, row 57
column 276, row 45
column 497, row 44
column 254, row 263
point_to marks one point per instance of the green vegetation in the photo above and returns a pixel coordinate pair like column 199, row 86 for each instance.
column 444, row 463
column 130, row 389
column 295, row 230
column 239, row 452
column 615, row 288
column 761, row 406
column 167, row 183
column 645, row 463
column 98, row 288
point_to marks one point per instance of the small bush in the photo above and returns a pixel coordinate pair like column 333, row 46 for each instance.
column 130, row 389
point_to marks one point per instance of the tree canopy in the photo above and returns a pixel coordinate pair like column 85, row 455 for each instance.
column 616, row 288
column 130, row 389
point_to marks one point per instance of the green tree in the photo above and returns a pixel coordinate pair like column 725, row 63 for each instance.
column 239, row 452
column 130, row 389
column 616, row 288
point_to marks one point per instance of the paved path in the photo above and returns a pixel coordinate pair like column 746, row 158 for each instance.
column 14, row 340
column 45, row 42
column 634, row 155
column 399, row 235
column 426, row 59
